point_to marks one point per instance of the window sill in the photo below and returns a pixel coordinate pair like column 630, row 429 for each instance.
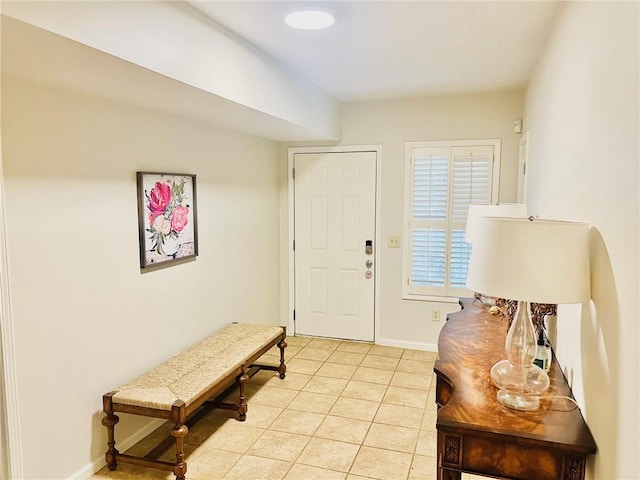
column 430, row 298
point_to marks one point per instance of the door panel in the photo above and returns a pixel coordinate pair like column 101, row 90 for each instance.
column 334, row 218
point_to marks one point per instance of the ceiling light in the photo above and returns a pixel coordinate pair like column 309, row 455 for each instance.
column 309, row 19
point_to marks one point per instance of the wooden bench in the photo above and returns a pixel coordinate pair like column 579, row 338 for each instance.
column 185, row 387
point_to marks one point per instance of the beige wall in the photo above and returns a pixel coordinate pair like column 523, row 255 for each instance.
column 391, row 124
column 582, row 112
column 179, row 42
column 86, row 320
column 3, row 431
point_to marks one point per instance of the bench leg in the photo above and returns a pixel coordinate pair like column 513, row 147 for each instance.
column 242, row 403
column 110, row 421
column 180, row 469
column 110, row 457
column 282, row 344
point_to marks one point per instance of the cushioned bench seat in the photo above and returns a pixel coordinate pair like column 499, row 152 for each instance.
column 178, row 387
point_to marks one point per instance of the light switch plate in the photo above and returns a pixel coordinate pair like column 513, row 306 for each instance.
column 393, row 241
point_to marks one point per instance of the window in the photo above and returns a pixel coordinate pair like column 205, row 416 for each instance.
column 442, row 179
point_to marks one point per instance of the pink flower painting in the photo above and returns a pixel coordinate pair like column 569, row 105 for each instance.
column 180, row 218
column 159, row 198
column 169, row 216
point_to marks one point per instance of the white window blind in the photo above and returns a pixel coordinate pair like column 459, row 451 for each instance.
column 443, row 179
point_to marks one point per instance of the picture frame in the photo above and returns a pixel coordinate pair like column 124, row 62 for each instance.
column 167, row 218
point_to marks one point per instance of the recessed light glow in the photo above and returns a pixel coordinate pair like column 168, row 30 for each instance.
column 309, row 19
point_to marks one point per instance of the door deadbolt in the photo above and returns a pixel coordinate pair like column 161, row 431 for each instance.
column 368, row 247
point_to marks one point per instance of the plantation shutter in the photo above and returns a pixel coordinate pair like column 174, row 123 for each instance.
column 444, row 181
column 429, row 217
column 472, row 167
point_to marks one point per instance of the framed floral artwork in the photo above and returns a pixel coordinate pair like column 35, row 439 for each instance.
column 167, row 220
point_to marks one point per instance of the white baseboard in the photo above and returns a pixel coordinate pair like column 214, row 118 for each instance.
column 92, row 467
column 426, row 347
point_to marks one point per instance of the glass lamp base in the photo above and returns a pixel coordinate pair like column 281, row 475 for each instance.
column 520, row 387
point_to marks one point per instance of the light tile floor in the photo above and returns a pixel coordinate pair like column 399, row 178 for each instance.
column 345, row 411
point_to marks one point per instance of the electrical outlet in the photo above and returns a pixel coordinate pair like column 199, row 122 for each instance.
column 393, row 241
column 435, row 315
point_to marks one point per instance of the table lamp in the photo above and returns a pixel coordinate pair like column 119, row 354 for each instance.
column 528, row 260
column 478, row 211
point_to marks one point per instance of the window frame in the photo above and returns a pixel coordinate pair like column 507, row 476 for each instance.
column 446, row 294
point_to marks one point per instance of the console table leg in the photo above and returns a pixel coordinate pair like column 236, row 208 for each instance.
column 449, row 453
column 444, row 474
column 574, row 467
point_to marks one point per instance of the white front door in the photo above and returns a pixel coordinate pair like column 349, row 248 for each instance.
column 334, row 244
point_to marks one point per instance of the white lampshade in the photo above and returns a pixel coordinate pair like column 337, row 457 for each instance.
column 542, row 261
column 476, row 212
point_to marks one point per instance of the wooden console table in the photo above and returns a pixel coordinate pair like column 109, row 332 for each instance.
column 478, row 435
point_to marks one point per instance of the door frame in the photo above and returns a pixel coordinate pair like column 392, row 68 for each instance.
column 523, row 167
column 377, row 149
column 10, row 437
column 10, row 441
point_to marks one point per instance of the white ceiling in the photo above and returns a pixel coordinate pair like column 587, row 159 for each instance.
column 392, row 49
